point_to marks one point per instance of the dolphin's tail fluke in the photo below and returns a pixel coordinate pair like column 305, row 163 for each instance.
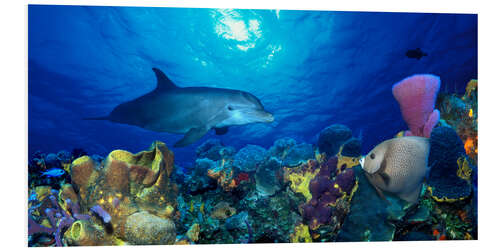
column 96, row 118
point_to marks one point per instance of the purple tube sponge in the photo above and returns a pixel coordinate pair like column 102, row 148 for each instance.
column 101, row 213
column 318, row 211
column 59, row 218
column 346, row 180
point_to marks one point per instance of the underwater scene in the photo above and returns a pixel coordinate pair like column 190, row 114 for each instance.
column 157, row 126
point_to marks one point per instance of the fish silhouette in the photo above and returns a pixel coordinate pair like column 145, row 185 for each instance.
column 415, row 53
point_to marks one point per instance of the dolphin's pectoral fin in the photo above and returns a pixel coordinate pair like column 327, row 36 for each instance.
column 221, row 131
column 191, row 136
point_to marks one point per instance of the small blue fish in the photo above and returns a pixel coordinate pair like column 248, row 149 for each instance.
column 54, row 172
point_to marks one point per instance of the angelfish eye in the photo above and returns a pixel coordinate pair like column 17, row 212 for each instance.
column 372, row 156
column 229, row 108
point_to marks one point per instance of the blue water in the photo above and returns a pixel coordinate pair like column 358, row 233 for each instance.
column 310, row 69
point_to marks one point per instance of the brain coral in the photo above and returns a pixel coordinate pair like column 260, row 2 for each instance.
column 446, row 180
column 332, row 137
column 249, row 157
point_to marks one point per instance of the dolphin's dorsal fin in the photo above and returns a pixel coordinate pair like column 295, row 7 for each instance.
column 163, row 83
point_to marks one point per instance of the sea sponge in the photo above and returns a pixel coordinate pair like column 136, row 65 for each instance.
column 43, row 192
column 83, row 174
column 193, row 232
column 128, row 185
column 449, row 177
column 300, row 234
column 143, row 228
column 116, row 176
column 67, row 192
column 85, row 233
column 416, row 96
column 326, row 190
column 300, row 177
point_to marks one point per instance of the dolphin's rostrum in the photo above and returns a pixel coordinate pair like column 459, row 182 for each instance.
column 191, row 111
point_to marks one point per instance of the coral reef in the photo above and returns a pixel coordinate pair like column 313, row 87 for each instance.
column 327, row 189
column 300, row 177
column 248, row 158
column 460, row 113
column 300, row 234
column 267, row 177
column 130, row 198
column 450, row 174
column 214, row 150
column 369, row 214
column 332, row 138
column 143, row 228
column 197, row 180
column 298, row 154
column 222, row 211
column 224, row 174
column 291, row 192
column 416, row 96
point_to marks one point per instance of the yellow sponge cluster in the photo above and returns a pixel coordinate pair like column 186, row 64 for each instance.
column 301, row 234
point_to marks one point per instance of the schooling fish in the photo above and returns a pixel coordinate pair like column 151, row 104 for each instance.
column 190, row 111
column 415, row 53
column 398, row 166
column 53, row 172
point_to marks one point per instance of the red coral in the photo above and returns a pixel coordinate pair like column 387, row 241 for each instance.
column 241, row 177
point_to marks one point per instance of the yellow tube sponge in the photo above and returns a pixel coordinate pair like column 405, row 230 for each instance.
column 84, row 233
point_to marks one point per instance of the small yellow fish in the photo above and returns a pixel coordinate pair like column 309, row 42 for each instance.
column 471, row 113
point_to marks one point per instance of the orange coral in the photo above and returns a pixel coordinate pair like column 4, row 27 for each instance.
column 224, row 175
column 469, row 145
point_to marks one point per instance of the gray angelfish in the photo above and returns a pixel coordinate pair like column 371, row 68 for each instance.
column 191, row 111
column 398, row 166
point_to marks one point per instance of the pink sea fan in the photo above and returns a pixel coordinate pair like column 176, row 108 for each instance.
column 416, row 96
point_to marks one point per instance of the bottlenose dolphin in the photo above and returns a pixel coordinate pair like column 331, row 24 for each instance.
column 191, row 111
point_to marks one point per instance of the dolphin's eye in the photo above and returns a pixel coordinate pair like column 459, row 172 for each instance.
column 372, row 156
column 230, row 108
